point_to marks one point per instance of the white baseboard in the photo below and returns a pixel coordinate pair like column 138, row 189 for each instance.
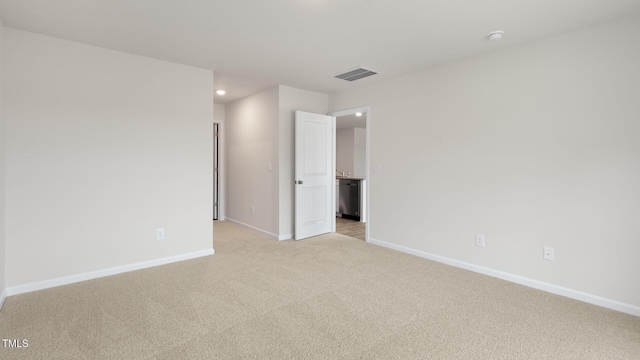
column 278, row 237
column 3, row 297
column 551, row 288
column 264, row 232
column 45, row 284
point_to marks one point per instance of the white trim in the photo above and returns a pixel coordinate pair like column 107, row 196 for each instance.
column 367, row 145
column 255, row 228
column 45, row 284
column 222, row 200
column 344, row 112
column 334, row 153
column 551, row 288
column 3, row 297
column 285, row 237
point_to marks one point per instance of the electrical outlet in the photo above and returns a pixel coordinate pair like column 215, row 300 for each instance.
column 480, row 240
column 160, row 234
column 253, row 209
column 548, row 253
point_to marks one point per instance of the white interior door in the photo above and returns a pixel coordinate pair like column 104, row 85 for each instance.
column 315, row 179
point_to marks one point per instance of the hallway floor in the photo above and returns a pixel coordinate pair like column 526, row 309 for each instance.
column 351, row 228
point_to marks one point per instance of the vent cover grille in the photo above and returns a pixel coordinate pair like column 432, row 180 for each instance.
column 356, row 74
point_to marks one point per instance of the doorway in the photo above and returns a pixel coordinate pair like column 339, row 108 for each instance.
column 217, row 172
column 352, row 161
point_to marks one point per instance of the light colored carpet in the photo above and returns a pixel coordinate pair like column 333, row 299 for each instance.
column 329, row 297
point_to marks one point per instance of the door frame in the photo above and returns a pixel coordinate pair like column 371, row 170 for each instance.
column 365, row 110
column 221, row 171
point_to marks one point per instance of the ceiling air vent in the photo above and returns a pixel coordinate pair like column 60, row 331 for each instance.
column 356, row 74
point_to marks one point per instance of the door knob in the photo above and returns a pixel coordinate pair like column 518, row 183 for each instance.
column 300, row 182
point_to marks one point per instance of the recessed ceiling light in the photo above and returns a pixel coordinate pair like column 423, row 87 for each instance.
column 358, row 114
column 221, row 92
column 495, row 35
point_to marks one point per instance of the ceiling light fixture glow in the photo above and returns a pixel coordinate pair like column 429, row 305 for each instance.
column 358, row 114
column 221, row 92
column 495, row 35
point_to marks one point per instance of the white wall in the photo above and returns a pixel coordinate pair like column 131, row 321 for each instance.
column 3, row 256
column 359, row 152
column 102, row 148
column 290, row 100
column 259, row 132
column 351, row 152
column 536, row 145
column 345, row 150
column 252, row 144
column 218, row 113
